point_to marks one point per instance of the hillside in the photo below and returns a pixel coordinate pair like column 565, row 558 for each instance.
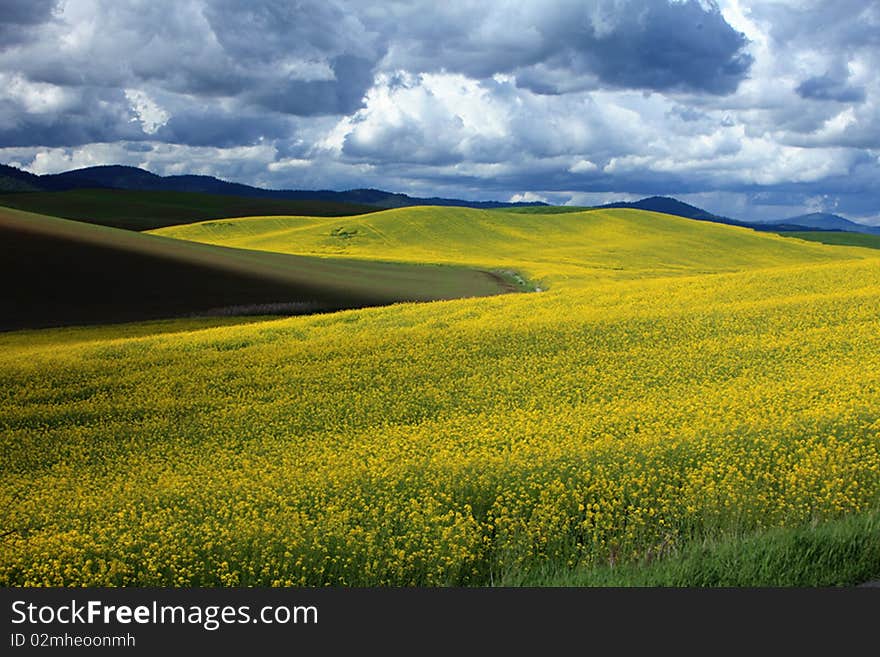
column 62, row 272
column 139, row 210
column 837, row 238
column 555, row 248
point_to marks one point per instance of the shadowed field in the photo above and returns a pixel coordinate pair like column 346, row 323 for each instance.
column 136, row 210
column 59, row 272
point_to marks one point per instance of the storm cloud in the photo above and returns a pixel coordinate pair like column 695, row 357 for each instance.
column 827, row 87
column 564, row 46
column 750, row 107
column 21, row 17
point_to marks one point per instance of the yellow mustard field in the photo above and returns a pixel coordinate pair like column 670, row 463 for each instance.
column 675, row 381
column 572, row 249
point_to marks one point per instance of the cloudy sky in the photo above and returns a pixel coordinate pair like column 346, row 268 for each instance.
column 752, row 108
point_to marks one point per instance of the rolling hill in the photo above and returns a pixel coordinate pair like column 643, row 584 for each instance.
column 60, row 272
column 837, row 237
column 311, row 202
column 554, row 248
column 668, row 205
column 116, row 177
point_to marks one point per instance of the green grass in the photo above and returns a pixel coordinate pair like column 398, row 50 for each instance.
column 842, row 552
column 61, row 272
column 837, row 238
column 11, row 185
column 135, row 210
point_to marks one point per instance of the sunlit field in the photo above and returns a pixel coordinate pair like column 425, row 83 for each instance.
column 674, row 384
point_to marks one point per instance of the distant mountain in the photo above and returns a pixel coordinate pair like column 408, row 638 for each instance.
column 805, row 222
column 135, row 179
column 823, row 221
column 668, row 205
column 110, row 177
column 16, row 180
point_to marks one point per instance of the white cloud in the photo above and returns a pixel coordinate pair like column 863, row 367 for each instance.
column 588, row 199
column 289, row 163
column 146, row 111
column 34, row 97
column 583, row 166
column 240, row 162
column 56, row 160
column 528, row 197
column 430, row 117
